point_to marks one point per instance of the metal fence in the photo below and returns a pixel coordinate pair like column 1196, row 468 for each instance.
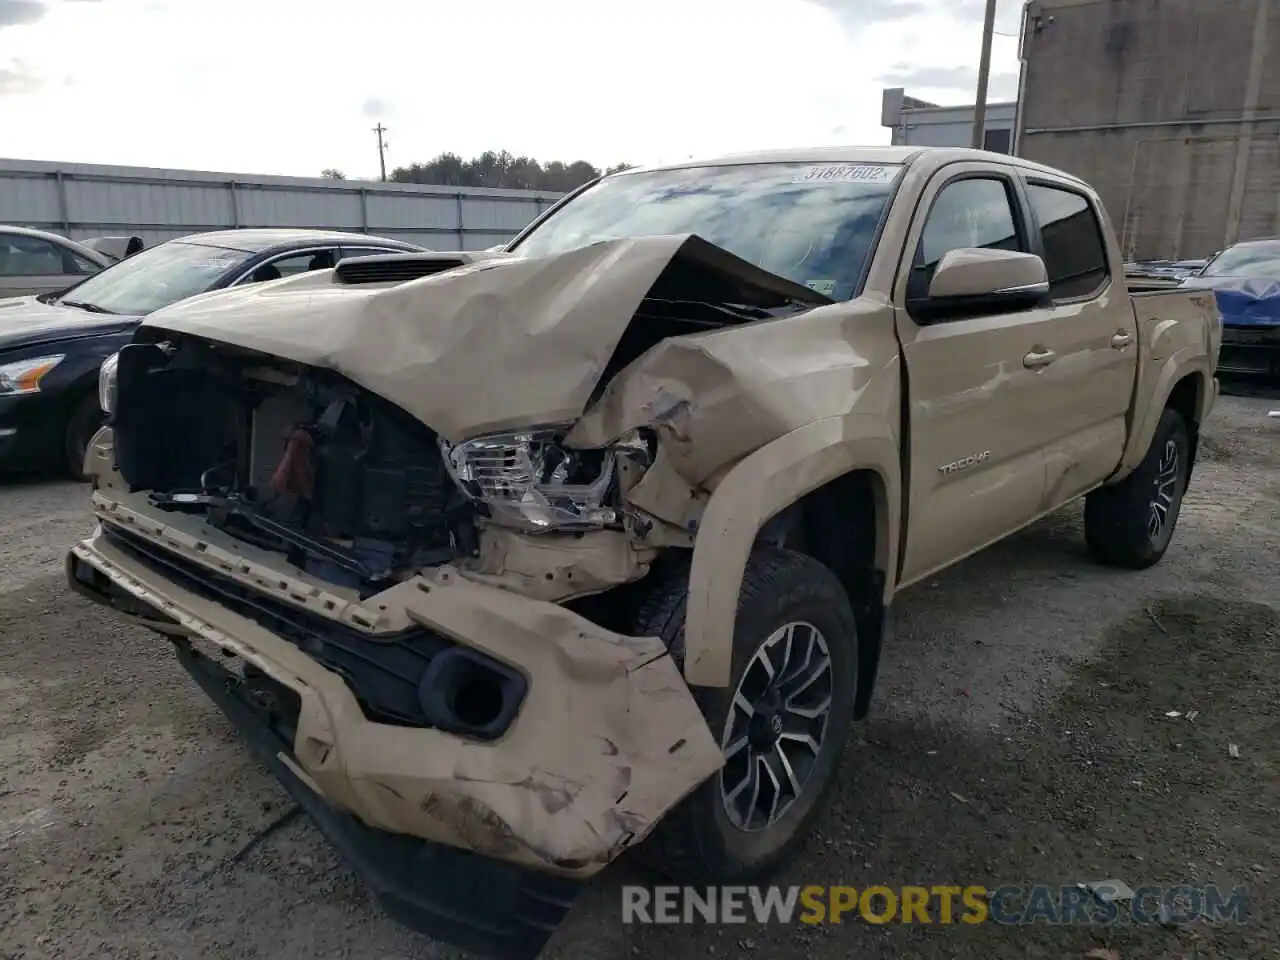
column 87, row 200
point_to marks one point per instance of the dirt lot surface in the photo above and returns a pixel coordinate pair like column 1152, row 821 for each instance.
column 1020, row 736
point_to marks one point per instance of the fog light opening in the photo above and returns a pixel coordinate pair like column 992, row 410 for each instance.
column 477, row 701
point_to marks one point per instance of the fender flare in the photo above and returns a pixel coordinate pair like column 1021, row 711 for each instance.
column 1189, row 361
column 759, row 487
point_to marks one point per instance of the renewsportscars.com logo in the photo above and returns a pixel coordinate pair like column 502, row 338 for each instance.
column 1011, row 904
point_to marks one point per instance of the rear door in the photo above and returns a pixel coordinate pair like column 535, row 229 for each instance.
column 1094, row 339
column 982, row 411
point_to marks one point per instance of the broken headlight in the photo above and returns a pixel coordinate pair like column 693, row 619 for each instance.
column 107, row 380
column 531, row 481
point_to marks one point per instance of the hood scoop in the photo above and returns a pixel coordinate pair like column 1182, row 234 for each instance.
column 401, row 267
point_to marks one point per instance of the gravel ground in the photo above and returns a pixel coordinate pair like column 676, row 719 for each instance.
column 1020, row 736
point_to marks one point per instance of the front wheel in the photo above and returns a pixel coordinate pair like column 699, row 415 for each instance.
column 783, row 721
column 1130, row 524
column 86, row 418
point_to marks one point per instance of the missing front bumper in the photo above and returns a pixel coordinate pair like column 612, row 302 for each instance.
column 461, row 898
column 607, row 741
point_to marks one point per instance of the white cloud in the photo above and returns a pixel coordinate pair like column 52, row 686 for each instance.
column 293, row 86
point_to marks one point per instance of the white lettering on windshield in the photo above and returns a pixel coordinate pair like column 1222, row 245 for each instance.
column 848, row 173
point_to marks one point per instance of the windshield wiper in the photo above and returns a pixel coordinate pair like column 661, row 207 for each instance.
column 85, row 305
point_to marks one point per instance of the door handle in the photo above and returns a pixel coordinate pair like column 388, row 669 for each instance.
column 1038, row 358
column 1121, row 340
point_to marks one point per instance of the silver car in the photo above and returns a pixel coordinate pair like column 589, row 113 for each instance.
column 33, row 262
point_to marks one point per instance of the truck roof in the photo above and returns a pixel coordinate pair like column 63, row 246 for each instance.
column 928, row 156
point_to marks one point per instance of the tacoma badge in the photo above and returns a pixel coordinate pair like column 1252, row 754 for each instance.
column 964, row 463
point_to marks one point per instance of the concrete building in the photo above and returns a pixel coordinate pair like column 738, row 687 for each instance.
column 1171, row 108
column 915, row 122
column 81, row 200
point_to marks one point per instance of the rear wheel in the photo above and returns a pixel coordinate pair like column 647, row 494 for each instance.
column 783, row 721
column 86, row 418
column 1131, row 523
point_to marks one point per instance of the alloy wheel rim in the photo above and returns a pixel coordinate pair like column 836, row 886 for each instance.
column 776, row 726
column 1164, row 496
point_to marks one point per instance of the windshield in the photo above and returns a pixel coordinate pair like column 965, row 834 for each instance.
column 812, row 223
column 155, row 278
column 1247, row 260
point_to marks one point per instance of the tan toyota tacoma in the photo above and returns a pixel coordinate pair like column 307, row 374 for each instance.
column 508, row 562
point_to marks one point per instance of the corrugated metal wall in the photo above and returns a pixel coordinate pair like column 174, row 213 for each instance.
column 948, row 126
column 1170, row 108
column 86, row 200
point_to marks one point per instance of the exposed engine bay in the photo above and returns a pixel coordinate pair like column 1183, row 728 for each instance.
column 343, row 483
column 292, row 459
column 353, row 489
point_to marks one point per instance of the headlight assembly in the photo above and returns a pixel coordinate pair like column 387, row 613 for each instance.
column 24, row 376
column 107, row 374
column 529, row 480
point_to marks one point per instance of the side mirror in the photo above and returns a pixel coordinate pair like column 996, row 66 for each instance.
column 977, row 281
column 117, row 248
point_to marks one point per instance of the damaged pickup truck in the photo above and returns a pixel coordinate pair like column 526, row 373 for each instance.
column 506, row 563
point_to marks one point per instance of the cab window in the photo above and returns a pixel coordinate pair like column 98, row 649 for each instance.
column 973, row 212
column 1075, row 255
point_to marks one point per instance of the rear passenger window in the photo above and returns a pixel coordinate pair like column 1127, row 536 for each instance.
column 1075, row 254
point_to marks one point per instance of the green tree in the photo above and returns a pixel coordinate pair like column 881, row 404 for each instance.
column 329, row 173
column 499, row 168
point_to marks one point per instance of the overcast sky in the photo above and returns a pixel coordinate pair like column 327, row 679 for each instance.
column 293, row 86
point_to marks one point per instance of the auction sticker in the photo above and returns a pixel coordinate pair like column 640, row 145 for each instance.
column 849, row 173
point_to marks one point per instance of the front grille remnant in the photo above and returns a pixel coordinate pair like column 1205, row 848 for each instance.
column 383, row 672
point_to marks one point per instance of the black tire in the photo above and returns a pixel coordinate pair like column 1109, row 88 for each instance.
column 697, row 843
column 86, row 418
column 1118, row 525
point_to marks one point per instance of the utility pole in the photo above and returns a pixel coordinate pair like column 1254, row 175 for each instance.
column 382, row 149
column 984, row 77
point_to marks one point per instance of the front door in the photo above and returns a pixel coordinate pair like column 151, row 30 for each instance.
column 982, row 407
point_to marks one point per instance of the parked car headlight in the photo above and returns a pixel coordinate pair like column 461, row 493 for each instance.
column 531, row 481
column 107, row 383
column 24, row 376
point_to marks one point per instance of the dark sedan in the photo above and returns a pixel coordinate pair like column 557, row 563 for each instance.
column 52, row 345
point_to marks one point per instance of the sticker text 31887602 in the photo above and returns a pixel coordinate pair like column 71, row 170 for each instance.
column 848, row 173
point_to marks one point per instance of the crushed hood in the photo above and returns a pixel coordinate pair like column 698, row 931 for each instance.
column 499, row 343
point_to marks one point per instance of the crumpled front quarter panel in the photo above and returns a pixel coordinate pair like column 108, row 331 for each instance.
column 718, row 396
